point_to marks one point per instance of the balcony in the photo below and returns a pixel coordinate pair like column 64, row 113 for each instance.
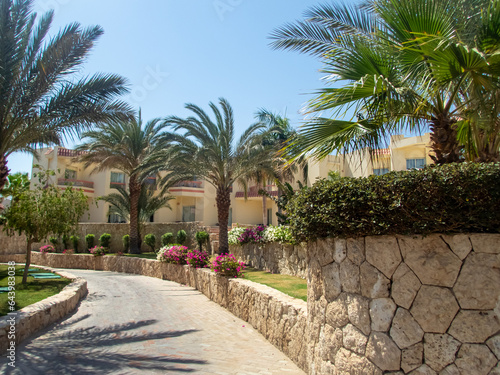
column 86, row 186
column 188, row 189
column 61, row 151
column 253, row 192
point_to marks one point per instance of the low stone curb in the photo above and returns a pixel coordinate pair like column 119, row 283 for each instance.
column 33, row 318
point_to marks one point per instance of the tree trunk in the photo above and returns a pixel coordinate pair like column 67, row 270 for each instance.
column 264, row 210
column 28, row 261
column 135, row 192
column 223, row 204
column 444, row 141
column 4, row 172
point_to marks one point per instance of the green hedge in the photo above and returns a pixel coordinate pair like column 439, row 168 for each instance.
column 452, row 198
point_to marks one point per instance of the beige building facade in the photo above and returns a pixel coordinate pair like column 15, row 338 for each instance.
column 195, row 200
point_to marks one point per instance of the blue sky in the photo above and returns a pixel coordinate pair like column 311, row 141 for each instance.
column 194, row 51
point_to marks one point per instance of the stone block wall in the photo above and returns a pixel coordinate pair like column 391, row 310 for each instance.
column 17, row 244
column 281, row 319
column 402, row 304
column 274, row 257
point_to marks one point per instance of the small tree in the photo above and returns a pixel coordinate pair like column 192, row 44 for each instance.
column 126, row 243
column 89, row 239
column 181, row 237
column 167, row 239
column 150, row 240
column 44, row 210
column 74, row 240
column 105, row 240
column 201, row 237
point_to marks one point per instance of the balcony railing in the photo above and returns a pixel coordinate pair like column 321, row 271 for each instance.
column 190, row 184
column 114, row 185
column 73, row 182
column 253, row 191
column 70, row 153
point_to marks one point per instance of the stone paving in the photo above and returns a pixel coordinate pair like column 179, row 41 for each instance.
column 131, row 324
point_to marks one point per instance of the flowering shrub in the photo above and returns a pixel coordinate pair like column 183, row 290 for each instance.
column 234, row 234
column 281, row 234
column 47, row 249
column 68, row 251
column 176, row 254
column 260, row 234
column 197, row 259
column 98, row 251
column 227, row 265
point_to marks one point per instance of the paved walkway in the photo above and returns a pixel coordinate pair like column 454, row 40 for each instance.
column 131, row 324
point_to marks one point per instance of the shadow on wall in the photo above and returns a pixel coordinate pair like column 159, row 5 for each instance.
column 73, row 349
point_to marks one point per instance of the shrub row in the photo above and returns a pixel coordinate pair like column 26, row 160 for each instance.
column 451, row 198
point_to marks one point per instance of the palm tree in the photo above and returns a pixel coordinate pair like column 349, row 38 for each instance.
column 407, row 64
column 39, row 103
column 149, row 203
column 209, row 151
column 126, row 146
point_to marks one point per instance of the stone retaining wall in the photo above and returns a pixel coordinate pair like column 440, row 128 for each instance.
column 17, row 244
column 33, row 318
column 402, row 304
column 279, row 318
column 274, row 257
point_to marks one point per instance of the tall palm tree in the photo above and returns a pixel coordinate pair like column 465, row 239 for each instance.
column 404, row 65
column 126, row 146
column 208, row 150
column 39, row 102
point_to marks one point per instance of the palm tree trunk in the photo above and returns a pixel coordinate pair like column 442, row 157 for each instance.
column 223, row 204
column 264, row 210
column 444, row 141
column 28, row 260
column 135, row 192
column 4, row 172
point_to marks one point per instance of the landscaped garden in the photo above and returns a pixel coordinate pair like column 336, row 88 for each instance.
column 27, row 294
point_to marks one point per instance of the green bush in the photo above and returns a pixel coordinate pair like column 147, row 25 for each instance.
column 126, row 243
column 89, row 239
column 167, row 239
column 74, row 241
column 65, row 241
column 54, row 241
column 181, row 237
column 201, row 237
column 104, row 240
column 451, row 198
column 150, row 240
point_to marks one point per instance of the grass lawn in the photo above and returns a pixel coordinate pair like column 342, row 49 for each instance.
column 291, row 285
column 34, row 291
column 143, row 255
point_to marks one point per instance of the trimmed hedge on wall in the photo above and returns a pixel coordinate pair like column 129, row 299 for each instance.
column 451, row 198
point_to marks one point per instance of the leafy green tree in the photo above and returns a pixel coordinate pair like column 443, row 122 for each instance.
column 40, row 102
column 402, row 65
column 127, row 146
column 44, row 210
column 208, row 150
column 17, row 183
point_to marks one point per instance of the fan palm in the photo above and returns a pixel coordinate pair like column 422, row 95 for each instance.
column 39, row 104
column 148, row 204
column 209, row 151
column 126, row 146
column 406, row 63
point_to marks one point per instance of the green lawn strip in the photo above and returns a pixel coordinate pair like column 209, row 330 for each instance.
column 142, row 255
column 34, row 291
column 291, row 285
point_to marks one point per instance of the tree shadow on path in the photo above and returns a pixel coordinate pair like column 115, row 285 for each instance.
column 89, row 350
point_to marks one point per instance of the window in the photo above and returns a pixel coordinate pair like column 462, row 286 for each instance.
column 70, row 174
column 117, row 179
column 380, row 171
column 415, row 163
column 188, row 213
column 115, row 218
column 269, row 216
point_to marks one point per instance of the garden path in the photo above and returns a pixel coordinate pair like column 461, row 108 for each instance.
column 132, row 324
